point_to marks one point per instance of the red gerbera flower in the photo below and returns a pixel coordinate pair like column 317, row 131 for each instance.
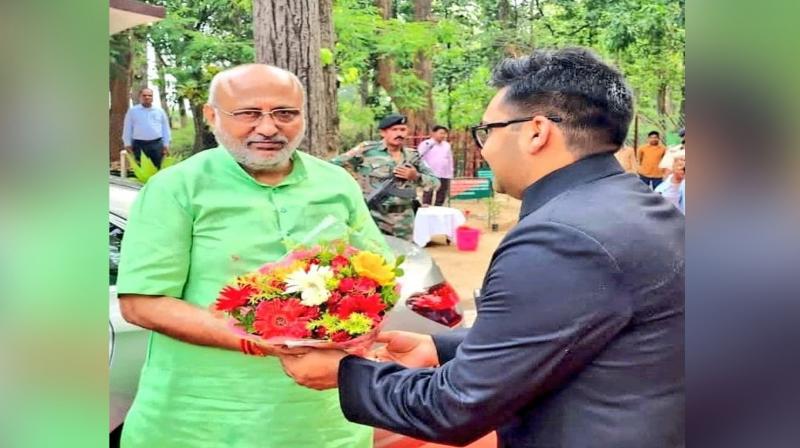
column 365, row 286
column 346, row 285
column 371, row 305
column 284, row 318
column 339, row 262
column 334, row 299
column 232, row 297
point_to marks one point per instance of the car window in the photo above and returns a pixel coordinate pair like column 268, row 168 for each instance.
column 114, row 242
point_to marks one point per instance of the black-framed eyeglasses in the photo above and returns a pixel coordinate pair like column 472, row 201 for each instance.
column 254, row 116
column 480, row 133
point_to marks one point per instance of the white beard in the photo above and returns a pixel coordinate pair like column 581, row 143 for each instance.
column 253, row 161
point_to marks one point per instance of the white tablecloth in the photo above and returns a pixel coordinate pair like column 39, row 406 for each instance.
column 436, row 221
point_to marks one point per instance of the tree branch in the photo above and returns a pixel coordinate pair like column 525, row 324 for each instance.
column 541, row 16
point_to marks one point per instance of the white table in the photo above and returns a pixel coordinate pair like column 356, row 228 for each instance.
column 436, row 221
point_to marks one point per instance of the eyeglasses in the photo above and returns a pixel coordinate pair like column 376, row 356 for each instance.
column 480, row 133
column 254, row 116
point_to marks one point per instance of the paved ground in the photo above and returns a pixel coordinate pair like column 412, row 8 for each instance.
column 465, row 270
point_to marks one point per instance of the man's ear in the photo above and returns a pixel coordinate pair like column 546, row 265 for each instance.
column 209, row 114
column 539, row 130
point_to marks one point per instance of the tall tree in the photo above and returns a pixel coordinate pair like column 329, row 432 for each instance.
column 139, row 66
column 385, row 63
column 287, row 34
column 328, row 44
column 162, row 86
column 420, row 120
column 119, row 87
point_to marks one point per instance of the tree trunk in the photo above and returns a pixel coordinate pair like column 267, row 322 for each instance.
column 662, row 106
column 287, row 34
column 138, row 72
column 182, row 111
column 162, row 87
column 119, row 86
column 203, row 138
column 385, row 63
column 328, row 40
column 422, row 119
column 502, row 11
column 363, row 87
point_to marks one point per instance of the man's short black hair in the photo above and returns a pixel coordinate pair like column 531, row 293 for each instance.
column 591, row 97
column 143, row 89
column 438, row 126
column 652, row 133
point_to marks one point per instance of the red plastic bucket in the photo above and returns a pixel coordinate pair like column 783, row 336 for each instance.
column 467, row 238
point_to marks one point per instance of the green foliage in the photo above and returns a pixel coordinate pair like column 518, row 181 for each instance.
column 355, row 120
column 644, row 38
column 145, row 169
column 197, row 39
column 182, row 140
column 326, row 56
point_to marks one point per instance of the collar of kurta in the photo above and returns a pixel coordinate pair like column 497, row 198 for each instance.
column 581, row 172
column 297, row 175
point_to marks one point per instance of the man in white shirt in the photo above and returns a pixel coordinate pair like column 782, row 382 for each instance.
column 674, row 186
column 146, row 129
column 672, row 152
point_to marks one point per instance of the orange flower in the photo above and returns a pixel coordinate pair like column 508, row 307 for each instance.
column 373, row 266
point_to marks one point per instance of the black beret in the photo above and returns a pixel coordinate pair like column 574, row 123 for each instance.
column 391, row 120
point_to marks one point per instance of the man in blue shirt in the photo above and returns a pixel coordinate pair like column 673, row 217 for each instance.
column 146, row 129
column 578, row 340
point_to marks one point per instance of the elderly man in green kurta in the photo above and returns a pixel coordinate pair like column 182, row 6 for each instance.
column 374, row 162
column 221, row 213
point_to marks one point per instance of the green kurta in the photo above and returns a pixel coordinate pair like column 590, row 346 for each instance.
column 193, row 228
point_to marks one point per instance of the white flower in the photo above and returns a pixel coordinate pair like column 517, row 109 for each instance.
column 310, row 285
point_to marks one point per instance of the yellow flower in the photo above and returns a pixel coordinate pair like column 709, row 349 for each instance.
column 281, row 273
column 373, row 266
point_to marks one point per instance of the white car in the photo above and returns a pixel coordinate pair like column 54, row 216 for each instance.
column 424, row 306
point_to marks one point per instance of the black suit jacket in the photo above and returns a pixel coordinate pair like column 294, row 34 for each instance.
column 579, row 336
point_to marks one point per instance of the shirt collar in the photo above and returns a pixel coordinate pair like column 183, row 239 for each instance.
column 581, row 172
column 297, row 174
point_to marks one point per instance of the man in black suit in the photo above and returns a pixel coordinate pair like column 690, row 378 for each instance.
column 579, row 336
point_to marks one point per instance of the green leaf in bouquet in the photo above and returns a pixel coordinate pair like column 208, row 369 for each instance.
column 399, row 260
column 247, row 322
column 399, row 272
column 389, row 296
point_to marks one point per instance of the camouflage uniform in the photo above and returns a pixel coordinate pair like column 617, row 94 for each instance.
column 371, row 164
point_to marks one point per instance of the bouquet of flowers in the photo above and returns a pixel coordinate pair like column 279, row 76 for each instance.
column 329, row 294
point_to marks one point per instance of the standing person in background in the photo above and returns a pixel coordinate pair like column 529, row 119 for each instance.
column 649, row 156
column 436, row 152
column 373, row 163
column 673, row 152
column 146, row 129
column 626, row 157
column 674, row 186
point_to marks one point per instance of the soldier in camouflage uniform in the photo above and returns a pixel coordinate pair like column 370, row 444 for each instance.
column 374, row 162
